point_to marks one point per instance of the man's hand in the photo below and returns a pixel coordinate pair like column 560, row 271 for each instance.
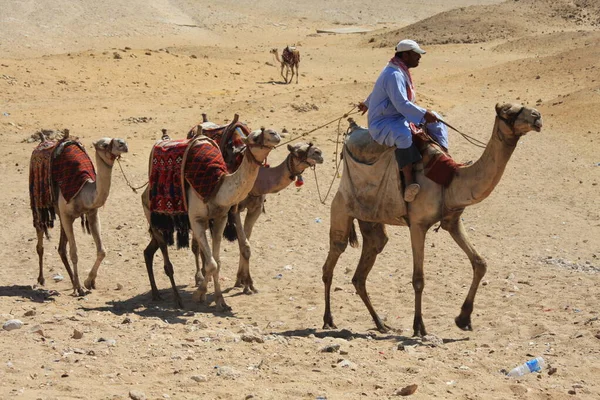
column 362, row 107
column 430, row 117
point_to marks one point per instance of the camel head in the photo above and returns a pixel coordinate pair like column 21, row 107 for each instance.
column 261, row 142
column 517, row 120
column 306, row 153
column 274, row 51
column 110, row 149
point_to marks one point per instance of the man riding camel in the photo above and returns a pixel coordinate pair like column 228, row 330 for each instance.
column 392, row 108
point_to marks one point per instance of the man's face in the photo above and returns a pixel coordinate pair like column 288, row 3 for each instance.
column 411, row 58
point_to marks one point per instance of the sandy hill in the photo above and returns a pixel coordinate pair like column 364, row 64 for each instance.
column 510, row 19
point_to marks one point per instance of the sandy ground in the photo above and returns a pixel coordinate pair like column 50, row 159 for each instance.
column 539, row 231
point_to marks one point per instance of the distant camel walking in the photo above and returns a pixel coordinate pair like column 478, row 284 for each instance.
column 290, row 59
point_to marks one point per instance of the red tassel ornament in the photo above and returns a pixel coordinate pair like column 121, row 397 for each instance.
column 299, row 181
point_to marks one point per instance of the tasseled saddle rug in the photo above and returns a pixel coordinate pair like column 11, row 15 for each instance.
column 63, row 165
column 437, row 163
column 231, row 145
column 174, row 164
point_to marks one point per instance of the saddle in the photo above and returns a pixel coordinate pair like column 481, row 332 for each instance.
column 55, row 165
column 230, row 139
column 437, row 163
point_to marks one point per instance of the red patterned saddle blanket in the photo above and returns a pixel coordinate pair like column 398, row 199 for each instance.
column 437, row 164
column 63, row 165
column 173, row 165
column 230, row 140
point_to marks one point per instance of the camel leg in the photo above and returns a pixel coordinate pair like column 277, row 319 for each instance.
column 458, row 233
column 297, row 73
column 417, row 239
column 243, row 274
column 40, row 252
column 148, row 258
column 284, row 77
column 287, row 72
column 62, row 252
column 67, row 225
column 198, row 256
column 168, row 266
column 374, row 240
column 94, row 221
column 211, row 266
column 339, row 233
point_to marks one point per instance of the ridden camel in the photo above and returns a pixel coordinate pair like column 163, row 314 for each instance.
column 290, row 60
column 86, row 203
column 434, row 203
column 233, row 189
column 269, row 180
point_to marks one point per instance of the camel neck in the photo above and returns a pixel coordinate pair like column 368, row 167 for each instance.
column 474, row 183
column 236, row 186
column 103, row 182
column 274, row 179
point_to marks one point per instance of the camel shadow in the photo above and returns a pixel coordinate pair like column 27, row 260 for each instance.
column 144, row 306
column 349, row 335
column 272, row 82
column 37, row 295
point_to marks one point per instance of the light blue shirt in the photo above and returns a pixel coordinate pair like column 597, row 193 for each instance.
column 390, row 111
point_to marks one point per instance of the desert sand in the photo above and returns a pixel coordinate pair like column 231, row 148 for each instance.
column 129, row 69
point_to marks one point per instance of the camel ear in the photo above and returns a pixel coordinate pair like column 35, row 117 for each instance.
column 99, row 144
column 502, row 109
column 290, row 148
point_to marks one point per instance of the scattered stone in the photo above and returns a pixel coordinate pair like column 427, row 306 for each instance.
column 117, row 56
column 337, row 289
column 30, row 313
column 250, row 396
column 227, row 372
column 37, row 329
column 12, row 324
column 109, row 342
column 572, row 391
column 598, row 335
column 433, row 340
column 58, row 278
column 137, row 395
column 331, row 348
column 127, row 320
column 77, row 334
column 407, row 391
column 347, row 364
column 252, row 338
column 552, row 371
column 199, row 378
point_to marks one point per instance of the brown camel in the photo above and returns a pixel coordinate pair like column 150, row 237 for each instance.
column 434, row 203
column 85, row 204
column 233, row 189
column 269, row 180
column 290, row 60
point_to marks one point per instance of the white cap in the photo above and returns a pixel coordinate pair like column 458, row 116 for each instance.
column 407, row 45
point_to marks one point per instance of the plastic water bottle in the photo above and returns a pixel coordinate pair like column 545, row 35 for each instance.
column 533, row 365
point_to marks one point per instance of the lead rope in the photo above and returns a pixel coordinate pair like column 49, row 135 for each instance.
column 337, row 163
column 135, row 189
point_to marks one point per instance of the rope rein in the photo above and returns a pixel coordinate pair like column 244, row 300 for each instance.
column 135, row 189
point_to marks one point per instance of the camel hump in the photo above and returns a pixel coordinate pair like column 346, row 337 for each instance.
column 362, row 147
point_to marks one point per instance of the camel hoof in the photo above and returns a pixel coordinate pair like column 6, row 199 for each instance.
column 238, row 284
column 90, row 284
column 329, row 325
column 222, row 306
column 463, row 323
column 384, row 329
column 78, row 292
column 255, row 290
column 41, row 281
column 199, row 297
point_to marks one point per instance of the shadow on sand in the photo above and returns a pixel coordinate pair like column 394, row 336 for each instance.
column 37, row 295
column 165, row 308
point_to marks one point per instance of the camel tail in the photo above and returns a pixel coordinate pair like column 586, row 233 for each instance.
column 353, row 239
column 230, row 232
column 85, row 224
